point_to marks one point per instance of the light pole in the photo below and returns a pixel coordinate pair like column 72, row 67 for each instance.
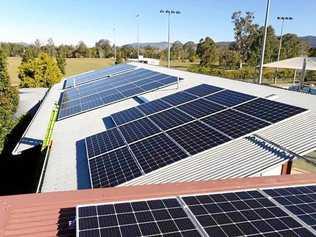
column 169, row 12
column 137, row 18
column 282, row 19
column 264, row 41
column 114, row 41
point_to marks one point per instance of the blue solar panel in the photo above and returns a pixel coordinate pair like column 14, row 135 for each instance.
column 127, row 115
column 247, row 213
column 178, row 98
column 154, row 106
column 271, row 111
column 301, row 201
column 200, row 108
column 156, row 152
column 98, row 74
column 104, row 142
column 230, row 98
column 170, row 118
column 163, row 217
column 196, row 137
column 113, row 168
column 234, row 124
column 138, row 129
column 203, row 90
column 104, row 92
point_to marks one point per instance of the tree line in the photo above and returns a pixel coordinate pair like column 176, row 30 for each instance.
column 44, row 64
column 8, row 101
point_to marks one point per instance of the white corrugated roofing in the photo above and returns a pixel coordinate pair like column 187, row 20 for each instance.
column 67, row 167
column 294, row 63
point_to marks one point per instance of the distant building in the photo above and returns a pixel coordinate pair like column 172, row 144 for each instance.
column 141, row 59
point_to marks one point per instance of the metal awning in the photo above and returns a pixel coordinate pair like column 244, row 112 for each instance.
column 294, row 63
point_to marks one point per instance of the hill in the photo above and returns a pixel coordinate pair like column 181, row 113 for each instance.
column 157, row 45
column 310, row 39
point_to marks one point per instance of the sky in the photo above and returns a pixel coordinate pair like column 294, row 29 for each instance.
column 69, row 21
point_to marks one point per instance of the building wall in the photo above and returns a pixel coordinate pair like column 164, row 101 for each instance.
column 273, row 171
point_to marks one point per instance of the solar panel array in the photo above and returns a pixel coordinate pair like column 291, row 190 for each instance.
column 177, row 126
column 106, row 91
column 97, row 74
column 243, row 213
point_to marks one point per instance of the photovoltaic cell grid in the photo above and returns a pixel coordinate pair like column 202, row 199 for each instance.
column 177, row 117
column 247, row 213
column 234, row 124
column 142, row 218
column 301, row 201
column 229, row 98
column 107, row 91
column 95, row 75
column 156, row 152
column 271, row 111
column 242, row 213
column 123, row 82
column 113, row 168
column 196, row 137
column 103, row 142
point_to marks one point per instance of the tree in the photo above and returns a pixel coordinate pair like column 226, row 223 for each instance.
column 42, row 71
column 61, row 62
column 229, row 58
column 28, row 54
column 8, row 100
column 292, row 46
column 177, row 52
column 128, row 52
column 244, row 29
column 312, row 52
column 119, row 58
column 81, row 51
column 272, row 45
column 50, row 47
column 189, row 49
column 206, row 49
column 103, row 48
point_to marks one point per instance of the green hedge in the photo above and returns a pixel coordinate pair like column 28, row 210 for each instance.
column 246, row 73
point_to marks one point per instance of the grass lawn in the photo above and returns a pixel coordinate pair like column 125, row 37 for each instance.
column 178, row 64
column 304, row 165
column 79, row 65
column 74, row 66
column 13, row 64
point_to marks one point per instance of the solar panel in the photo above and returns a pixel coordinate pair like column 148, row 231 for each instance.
column 170, row 118
column 98, row 74
column 234, row 124
column 269, row 110
column 140, row 218
column 200, row 108
column 247, row 213
column 156, row 152
column 203, row 90
column 104, row 92
column 104, row 142
column 178, row 98
column 301, row 201
column 153, row 107
column 230, row 98
column 196, row 137
column 138, row 129
column 127, row 115
column 113, row 168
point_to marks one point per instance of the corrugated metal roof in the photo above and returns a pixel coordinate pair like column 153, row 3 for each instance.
column 238, row 158
column 48, row 214
column 67, row 167
column 297, row 134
